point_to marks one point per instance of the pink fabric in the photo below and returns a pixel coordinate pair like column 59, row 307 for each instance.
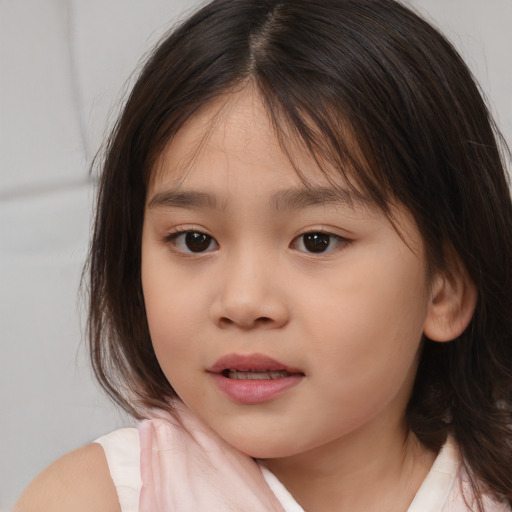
column 186, row 467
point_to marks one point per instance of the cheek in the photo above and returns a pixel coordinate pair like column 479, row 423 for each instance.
column 173, row 308
column 368, row 329
column 173, row 327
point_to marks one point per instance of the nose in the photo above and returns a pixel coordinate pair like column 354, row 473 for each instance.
column 249, row 295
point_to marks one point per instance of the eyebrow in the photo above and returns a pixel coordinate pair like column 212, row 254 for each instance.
column 297, row 199
column 290, row 199
column 184, row 199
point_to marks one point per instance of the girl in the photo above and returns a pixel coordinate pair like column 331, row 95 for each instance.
column 300, row 274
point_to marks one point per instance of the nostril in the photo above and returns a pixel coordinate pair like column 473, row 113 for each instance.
column 262, row 321
column 225, row 322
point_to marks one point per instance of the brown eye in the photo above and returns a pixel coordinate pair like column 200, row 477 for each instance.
column 197, row 242
column 318, row 242
column 193, row 242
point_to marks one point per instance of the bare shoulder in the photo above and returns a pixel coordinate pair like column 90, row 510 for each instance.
column 79, row 481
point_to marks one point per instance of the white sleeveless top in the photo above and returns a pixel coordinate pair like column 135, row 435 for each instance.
column 441, row 491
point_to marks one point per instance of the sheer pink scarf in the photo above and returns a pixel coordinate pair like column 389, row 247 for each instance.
column 186, row 467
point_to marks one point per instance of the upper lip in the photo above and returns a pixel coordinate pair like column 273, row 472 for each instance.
column 250, row 362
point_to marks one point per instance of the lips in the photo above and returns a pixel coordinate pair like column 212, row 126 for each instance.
column 255, row 375
column 254, row 378
column 251, row 363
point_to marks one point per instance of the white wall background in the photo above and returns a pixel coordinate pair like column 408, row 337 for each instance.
column 63, row 67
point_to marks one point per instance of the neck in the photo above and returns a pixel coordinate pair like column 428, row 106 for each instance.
column 365, row 471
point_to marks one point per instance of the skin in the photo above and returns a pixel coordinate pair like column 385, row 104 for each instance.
column 79, row 482
column 350, row 318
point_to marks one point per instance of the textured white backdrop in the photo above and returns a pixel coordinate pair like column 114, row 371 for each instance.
column 63, row 67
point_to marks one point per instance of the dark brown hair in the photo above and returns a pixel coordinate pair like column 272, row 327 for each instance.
column 415, row 113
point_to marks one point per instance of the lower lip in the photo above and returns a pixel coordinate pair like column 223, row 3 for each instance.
column 254, row 391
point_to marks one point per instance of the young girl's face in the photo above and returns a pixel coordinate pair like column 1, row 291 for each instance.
column 288, row 318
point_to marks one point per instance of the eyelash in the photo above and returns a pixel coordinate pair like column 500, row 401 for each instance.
column 317, row 238
column 173, row 239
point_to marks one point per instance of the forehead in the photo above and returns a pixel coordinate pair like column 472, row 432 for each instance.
column 235, row 132
column 229, row 157
column 228, row 128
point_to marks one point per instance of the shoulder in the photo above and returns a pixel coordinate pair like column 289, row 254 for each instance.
column 462, row 497
column 447, row 487
column 78, row 481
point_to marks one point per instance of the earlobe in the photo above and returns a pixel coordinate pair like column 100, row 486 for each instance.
column 452, row 303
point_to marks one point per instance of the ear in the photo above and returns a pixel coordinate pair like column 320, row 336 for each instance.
column 452, row 303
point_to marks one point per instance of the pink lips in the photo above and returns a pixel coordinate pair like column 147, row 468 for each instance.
column 258, row 390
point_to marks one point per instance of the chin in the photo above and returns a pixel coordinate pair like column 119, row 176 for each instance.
column 268, row 448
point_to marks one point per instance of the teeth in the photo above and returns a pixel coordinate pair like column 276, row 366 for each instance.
column 250, row 375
